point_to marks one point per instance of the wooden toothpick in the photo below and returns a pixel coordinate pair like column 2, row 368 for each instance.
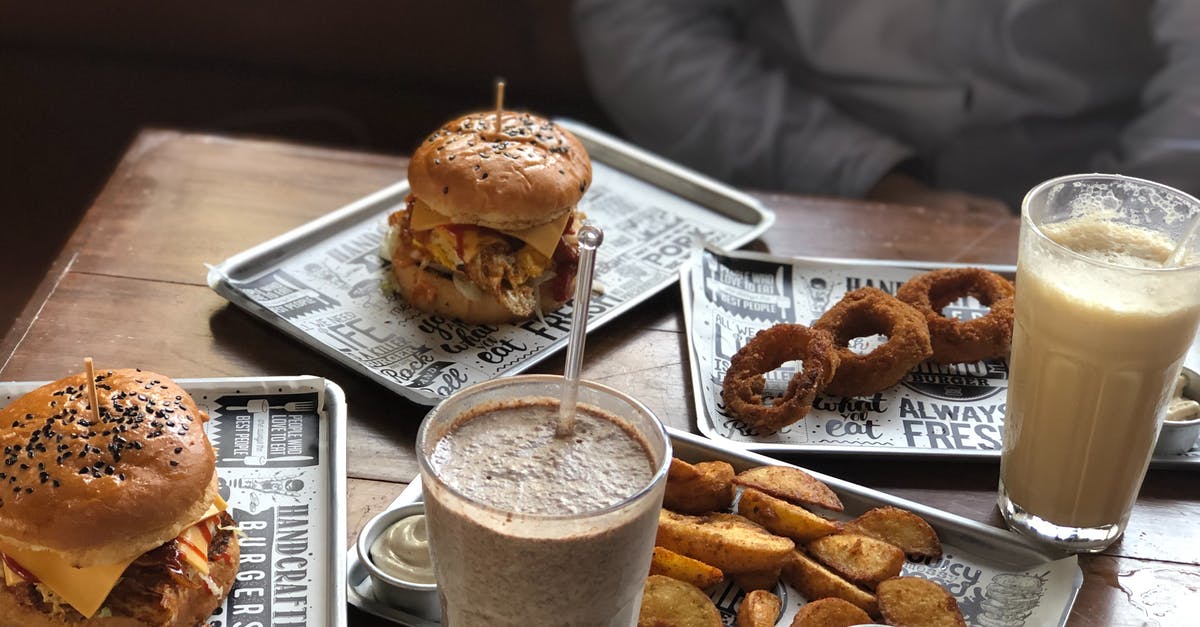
column 499, row 105
column 91, row 384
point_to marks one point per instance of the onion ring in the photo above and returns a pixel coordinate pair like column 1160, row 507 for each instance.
column 956, row 341
column 867, row 311
column 766, row 351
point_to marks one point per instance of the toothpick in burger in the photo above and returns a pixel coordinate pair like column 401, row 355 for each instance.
column 111, row 518
column 488, row 233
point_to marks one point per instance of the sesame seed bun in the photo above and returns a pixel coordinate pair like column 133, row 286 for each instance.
column 528, row 174
column 102, row 491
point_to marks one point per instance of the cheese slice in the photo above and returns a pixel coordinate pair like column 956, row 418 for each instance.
column 193, row 541
column 84, row 588
column 543, row 238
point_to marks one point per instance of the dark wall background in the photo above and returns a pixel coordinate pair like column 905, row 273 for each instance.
column 79, row 79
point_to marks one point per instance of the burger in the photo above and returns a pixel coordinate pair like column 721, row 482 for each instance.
column 110, row 516
column 488, row 233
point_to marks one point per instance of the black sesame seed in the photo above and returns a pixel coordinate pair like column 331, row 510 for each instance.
column 178, row 450
column 483, row 176
column 55, row 483
column 446, row 190
column 174, row 463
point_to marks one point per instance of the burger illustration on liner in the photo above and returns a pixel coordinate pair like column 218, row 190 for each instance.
column 111, row 518
column 488, row 233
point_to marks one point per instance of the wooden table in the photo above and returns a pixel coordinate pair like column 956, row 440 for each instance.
column 129, row 289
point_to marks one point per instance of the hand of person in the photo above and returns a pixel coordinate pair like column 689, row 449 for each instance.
column 903, row 189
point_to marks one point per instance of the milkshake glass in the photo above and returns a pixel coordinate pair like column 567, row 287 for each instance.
column 527, row 528
column 1102, row 329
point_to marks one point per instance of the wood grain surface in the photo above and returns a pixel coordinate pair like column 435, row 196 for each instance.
column 129, row 289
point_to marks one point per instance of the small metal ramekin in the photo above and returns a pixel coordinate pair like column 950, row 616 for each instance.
column 1179, row 436
column 420, row 599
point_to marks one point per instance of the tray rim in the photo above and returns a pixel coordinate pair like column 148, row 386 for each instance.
column 1175, row 462
column 1001, row 538
column 221, row 276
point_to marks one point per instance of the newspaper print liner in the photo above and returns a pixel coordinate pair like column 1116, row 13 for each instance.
column 281, row 466
column 954, row 411
column 325, row 283
column 998, row 578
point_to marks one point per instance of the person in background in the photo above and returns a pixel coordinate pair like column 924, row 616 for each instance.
column 951, row 104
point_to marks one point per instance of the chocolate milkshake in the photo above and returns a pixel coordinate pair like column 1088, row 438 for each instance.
column 529, row 528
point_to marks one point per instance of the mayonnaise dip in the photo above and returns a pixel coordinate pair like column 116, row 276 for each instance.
column 402, row 551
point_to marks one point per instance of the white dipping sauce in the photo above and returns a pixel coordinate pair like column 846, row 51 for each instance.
column 402, row 551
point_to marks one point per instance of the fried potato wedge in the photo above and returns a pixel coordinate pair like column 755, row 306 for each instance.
column 671, row 564
column 899, row 527
column 814, row 581
column 905, row 601
column 759, row 579
column 861, row 559
column 790, row 484
column 758, row 608
column 699, row 488
column 727, row 541
column 668, row 602
column 782, row 518
column 829, row 612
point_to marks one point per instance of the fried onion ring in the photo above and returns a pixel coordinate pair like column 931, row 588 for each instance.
column 867, row 311
column 766, row 351
column 956, row 341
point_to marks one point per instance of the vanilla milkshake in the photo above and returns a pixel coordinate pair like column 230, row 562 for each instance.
column 1101, row 333
column 528, row 528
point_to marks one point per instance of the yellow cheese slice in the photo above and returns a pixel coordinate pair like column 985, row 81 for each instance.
column 543, row 238
column 11, row 578
column 84, row 588
column 193, row 546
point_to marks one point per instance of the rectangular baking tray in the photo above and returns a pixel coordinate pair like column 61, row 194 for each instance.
column 281, row 466
column 936, row 412
column 973, row 551
column 323, row 283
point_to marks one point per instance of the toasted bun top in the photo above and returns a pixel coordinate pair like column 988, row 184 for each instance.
column 97, row 492
column 529, row 173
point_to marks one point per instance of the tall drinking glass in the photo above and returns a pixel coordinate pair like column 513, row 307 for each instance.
column 1102, row 329
column 527, row 528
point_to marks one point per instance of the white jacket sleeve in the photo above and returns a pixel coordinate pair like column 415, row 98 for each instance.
column 1163, row 142
column 677, row 79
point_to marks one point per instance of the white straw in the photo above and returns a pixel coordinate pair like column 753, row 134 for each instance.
column 1177, row 255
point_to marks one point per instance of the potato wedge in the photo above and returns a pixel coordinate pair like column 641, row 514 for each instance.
column 668, row 602
column 758, row 609
column 758, row 580
column 829, row 612
column 905, row 601
column 790, row 484
column 782, row 518
column 814, row 581
column 900, row 527
column 671, row 564
column 861, row 559
column 727, row 541
column 698, row 488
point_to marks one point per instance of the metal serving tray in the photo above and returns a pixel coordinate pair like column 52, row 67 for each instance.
column 953, row 411
column 998, row 577
column 323, row 283
column 281, row 465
